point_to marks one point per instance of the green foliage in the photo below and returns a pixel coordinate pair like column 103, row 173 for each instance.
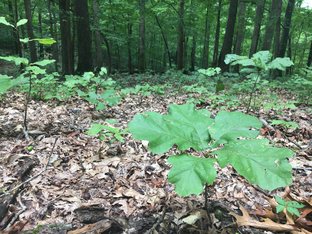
column 106, row 132
column 289, row 206
column 212, row 71
column 230, row 138
column 287, row 124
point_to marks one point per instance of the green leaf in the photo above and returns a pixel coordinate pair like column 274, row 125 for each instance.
column 258, row 162
column 280, row 208
column 17, row 60
column 280, row 200
column 229, row 126
column 24, row 40
column 5, row 83
column 21, row 22
column 44, row 62
column 183, row 126
column 95, row 129
column 287, row 124
column 189, row 174
column 45, row 41
column 261, row 58
column 3, row 21
column 293, row 211
column 295, row 204
column 280, row 63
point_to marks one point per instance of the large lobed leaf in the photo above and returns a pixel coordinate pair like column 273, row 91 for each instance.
column 258, row 162
column 229, row 126
column 189, row 174
column 183, row 126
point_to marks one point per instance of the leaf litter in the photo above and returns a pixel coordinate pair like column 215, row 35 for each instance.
column 93, row 186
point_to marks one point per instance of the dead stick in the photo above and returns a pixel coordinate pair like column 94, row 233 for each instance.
column 35, row 176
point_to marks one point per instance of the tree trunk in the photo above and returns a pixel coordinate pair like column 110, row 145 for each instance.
column 130, row 66
column 99, row 58
column 277, row 31
column 193, row 54
column 83, row 37
column 229, row 33
column 310, row 56
column 67, row 52
column 164, row 39
column 287, row 25
column 141, row 59
column 181, row 37
column 53, row 33
column 257, row 27
column 30, row 32
column 271, row 24
column 205, row 58
column 241, row 28
column 41, row 52
column 217, row 36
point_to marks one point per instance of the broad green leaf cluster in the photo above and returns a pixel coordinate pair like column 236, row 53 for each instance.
column 228, row 139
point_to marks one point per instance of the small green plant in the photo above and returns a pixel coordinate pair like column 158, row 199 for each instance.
column 229, row 139
column 106, row 132
column 290, row 207
column 257, row 67
column 287, row 124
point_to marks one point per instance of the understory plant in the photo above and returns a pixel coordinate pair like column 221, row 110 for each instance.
column 231, row 138
column 257, row 67
column 106, row 131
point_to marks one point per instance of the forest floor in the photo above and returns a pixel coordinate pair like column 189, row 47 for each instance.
column 96, row 186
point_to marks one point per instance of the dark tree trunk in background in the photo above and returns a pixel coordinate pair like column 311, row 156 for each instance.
column 53, row 33
column 205, row 58
column 141, row 59
column 30, row 32
column 41, row 53
column 271, row 24
column 181, row 37
column 164, row 39
column 83, row 37
column 241, row 27
column 99, row 57
column 310, row 56
column 229, row 33
column 193, row 54
column 217, row 36
column 286, row 29
column 67, row 51
column 130, row 66
column 194, row 38
column 257, row 27
column 277, row 31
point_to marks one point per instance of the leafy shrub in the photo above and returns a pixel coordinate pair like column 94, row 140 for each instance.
column 230, row 138
column 106, row 132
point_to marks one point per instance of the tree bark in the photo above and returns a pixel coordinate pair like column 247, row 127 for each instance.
column 83, row 37
column 130, row 66
column 241, row 28
column 30, row 32
column 164, row 39
column 181, row 37
column 310, row 56
column 99, row 57
column 53, row 33
column 286, row 29
column 41, row 52
column 257, row 27
column 271, row 25
column 65, row 25
column 141, row 59
column 205, row 58
column 217, row 36
column 229, row 33
column 277, row 31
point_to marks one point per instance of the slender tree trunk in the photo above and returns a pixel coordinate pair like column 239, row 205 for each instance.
column 99, row 58
column 65, row 25
column 271, row 24
column 241, row 28
column 41, row 52
column 193, row 54
column 17, row 35
column 83, row 37
column 141, row 59
column 30, row 31
column 217, row 36
column 310, row 56
column 205, row 58
column 164, row 39
column 277, row 34
column 229, row 33
column 194, row 38
column 181, row 37
column 130, row 66
column 53, row 33
column 257, row 27
column 286, row 29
